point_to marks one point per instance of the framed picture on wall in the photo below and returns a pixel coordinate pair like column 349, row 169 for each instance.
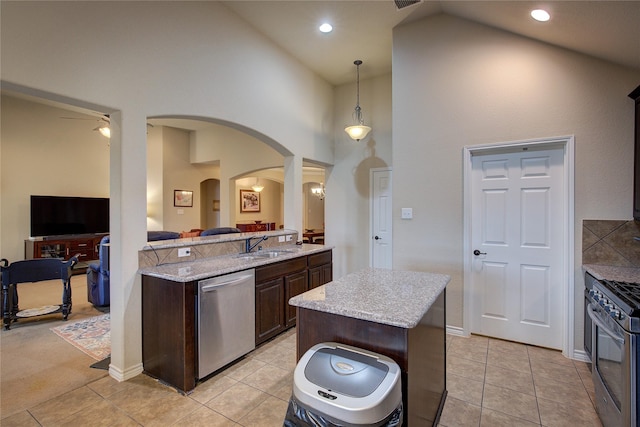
column 249, row 201
column 183, row 198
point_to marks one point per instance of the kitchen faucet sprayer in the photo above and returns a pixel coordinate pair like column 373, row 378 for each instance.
column 249, row 247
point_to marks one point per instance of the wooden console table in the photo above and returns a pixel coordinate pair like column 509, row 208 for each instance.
column 252, row 228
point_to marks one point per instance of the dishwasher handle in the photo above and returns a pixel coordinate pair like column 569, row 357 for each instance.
column 213, row 287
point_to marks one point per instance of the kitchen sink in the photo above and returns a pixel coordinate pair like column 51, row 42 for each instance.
column 264, row 254
column 245, row 257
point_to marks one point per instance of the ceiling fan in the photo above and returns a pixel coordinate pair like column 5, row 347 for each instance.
column 103, row 124
column 102, row 127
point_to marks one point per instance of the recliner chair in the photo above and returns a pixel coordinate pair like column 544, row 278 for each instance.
column 98, row 277
column 98, row 289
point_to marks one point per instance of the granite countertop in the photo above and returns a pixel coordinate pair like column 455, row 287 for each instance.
column 217, row 238
column 216, row 266
column 391, row 297
column 609, row 272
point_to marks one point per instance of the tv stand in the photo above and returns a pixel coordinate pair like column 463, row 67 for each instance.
column 85, row 246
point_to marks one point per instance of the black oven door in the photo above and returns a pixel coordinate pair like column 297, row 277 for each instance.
column 613, row 353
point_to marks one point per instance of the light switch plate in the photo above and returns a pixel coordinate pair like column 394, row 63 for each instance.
column 407, row 213
column 184, row 252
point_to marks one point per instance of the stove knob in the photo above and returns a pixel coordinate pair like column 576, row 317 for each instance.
column 615, row 314
column 603, row 302
column 608, row 307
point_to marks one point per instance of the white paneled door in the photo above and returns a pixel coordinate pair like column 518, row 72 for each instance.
column 517, row 246
column 381, row 218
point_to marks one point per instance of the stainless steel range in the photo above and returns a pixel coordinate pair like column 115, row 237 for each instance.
column 614, row 310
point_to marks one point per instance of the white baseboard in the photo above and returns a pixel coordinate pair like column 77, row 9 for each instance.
column 120, row 375
column 455, row 330
column 581, row 355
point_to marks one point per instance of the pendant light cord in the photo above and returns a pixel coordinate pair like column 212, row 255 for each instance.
column 357, row 63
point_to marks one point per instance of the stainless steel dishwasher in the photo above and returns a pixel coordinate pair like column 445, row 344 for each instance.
column 226, row 320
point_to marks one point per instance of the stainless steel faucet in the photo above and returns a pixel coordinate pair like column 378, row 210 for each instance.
column 248, row 247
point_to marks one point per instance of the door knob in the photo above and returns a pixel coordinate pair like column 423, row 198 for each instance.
column 477, row 252
column 378, row 238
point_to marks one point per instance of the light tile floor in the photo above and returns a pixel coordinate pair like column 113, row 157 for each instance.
column 490, row 383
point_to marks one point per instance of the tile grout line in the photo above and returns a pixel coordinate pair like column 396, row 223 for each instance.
column 535, row 391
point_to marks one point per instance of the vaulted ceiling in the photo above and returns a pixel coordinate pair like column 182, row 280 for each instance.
column 363, row 28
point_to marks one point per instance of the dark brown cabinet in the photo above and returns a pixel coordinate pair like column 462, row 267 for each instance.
column 169, row 331
column 84, row 247
column 275, row 284
column 269, row 314
column 320, row 269
column 294, row 284
column 169, row 348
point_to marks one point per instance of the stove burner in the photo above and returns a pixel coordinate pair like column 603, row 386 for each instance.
column 628, row 293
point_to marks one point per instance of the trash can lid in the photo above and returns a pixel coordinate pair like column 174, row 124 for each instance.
column 346, row 372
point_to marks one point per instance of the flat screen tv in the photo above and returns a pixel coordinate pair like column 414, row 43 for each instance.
column 61, row 216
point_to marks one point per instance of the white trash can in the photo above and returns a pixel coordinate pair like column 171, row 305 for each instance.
column 339, row 385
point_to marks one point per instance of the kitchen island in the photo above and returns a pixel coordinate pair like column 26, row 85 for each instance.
column 400, row 314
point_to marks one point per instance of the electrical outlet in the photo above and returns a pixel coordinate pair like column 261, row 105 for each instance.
column 280, row 239
column 289, row 238
column 407, row 213
column 184, row 252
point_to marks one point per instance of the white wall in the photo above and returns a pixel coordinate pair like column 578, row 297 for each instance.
column 149, row 59
column 313, row 207
column 347, row 183
column 155, row 185
column 210, row 192
column 180, row 174
column 270, row 202
column 236, row 153
column 44, row 154
column 457, row 83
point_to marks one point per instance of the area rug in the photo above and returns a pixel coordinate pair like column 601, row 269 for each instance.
column 92, row 335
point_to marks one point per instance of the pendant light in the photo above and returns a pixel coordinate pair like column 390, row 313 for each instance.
column 359, row 130
column 257, row 187
column 319, row 191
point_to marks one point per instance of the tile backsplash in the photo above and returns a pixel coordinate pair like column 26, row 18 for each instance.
column 611, row 242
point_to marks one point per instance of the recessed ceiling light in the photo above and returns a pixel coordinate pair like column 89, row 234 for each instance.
column 325, row 28
column 540, row 15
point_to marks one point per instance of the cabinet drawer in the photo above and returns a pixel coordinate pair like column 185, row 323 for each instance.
column 280, row 269
column 322, row 258
column 83, row 254
column 82, row 248
column 81, row 245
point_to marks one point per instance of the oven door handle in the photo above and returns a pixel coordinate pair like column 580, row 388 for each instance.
column 599, row 323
